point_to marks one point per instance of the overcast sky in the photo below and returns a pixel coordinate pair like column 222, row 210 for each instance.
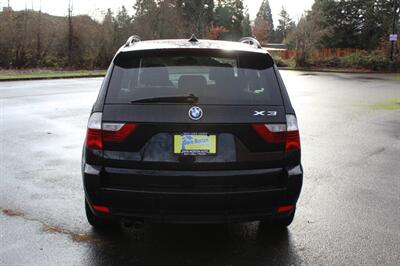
column 96, row 8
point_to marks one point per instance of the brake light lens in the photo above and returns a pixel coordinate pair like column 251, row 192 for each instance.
column 98, row 133
column 93, row 134
column 292, row 134
column 281, row 133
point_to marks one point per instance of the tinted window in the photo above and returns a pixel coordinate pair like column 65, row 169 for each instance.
column 214, row 77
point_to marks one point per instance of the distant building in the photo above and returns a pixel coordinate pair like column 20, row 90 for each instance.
column 276, row 46
column 7, row 9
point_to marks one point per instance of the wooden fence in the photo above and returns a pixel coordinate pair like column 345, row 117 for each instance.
column 325, row 53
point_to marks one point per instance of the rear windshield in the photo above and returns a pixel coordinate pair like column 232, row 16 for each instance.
column 213, row 77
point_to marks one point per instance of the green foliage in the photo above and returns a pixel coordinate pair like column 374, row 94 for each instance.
column 307, row 36
column 230, row 15
column 196, row 16
column 372, row 61
column 265, row 13
column 246, row 26
column 264, row 24
column 328, row 63
column 44, row 74
column 356, row 23
column 286, row 25
column 375, row 61
column 34, row 39
column 52, row 61
column 280, row 62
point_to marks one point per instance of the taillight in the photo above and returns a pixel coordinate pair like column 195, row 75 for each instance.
column 281, row 133
column 292, row 135
column 98, row 133
column 273, row 133
column 117, row 132
column 93, row 134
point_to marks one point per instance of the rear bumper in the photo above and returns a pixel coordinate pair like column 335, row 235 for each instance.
column 194, row 204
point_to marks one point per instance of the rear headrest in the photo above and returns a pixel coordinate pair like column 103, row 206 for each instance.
column 222, row 72
column 195, row 82
column 155, row 76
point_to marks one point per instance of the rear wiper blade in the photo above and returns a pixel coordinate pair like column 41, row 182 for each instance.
column 169, row 99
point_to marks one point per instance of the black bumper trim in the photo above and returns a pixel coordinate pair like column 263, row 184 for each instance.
column 191, row 193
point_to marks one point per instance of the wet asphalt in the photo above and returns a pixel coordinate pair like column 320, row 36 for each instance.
column 348, row 212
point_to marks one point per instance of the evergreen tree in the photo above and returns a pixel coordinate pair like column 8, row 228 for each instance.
column 169, row 21
column 356, row 23
column 122, row 25
column 197, row 16
column 145, row 19
column 108, row 42
column 246, row 26
column 229, row 14
column 264, row 24
column 265, row 13
column 144, row 7
column 286, row 25
column 377, row 22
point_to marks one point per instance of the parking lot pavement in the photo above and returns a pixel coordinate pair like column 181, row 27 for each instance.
column 348, row 211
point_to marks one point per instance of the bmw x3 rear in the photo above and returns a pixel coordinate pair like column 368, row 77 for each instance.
column 194, row 131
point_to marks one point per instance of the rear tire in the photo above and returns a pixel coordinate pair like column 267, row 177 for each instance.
column 99, row 223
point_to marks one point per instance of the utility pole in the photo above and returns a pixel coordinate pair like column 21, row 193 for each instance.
column 393, row 28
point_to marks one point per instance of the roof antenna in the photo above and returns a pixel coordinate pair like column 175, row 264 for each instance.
column 193, row 38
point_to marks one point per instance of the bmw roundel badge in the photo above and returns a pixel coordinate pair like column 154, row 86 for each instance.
column 195, row 113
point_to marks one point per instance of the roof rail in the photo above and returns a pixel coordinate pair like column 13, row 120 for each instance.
column 251, row 41
column 132, row 40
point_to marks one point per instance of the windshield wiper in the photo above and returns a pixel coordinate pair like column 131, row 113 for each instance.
column 169, row 99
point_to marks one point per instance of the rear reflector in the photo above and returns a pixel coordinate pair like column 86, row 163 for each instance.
column 281, row 133
column 102, row 209
column 98, row 133
column 287, row 208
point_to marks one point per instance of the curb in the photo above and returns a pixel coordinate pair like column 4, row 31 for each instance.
column 336, row 71
column 55, row 77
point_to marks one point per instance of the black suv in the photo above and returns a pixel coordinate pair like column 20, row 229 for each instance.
column 192, row 131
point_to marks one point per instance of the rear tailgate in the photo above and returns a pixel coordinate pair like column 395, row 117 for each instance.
column 235, row 91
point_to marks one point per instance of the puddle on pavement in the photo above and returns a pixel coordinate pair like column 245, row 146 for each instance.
column 309, row 74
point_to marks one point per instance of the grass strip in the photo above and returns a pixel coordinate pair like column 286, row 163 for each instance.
column 50, row 74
